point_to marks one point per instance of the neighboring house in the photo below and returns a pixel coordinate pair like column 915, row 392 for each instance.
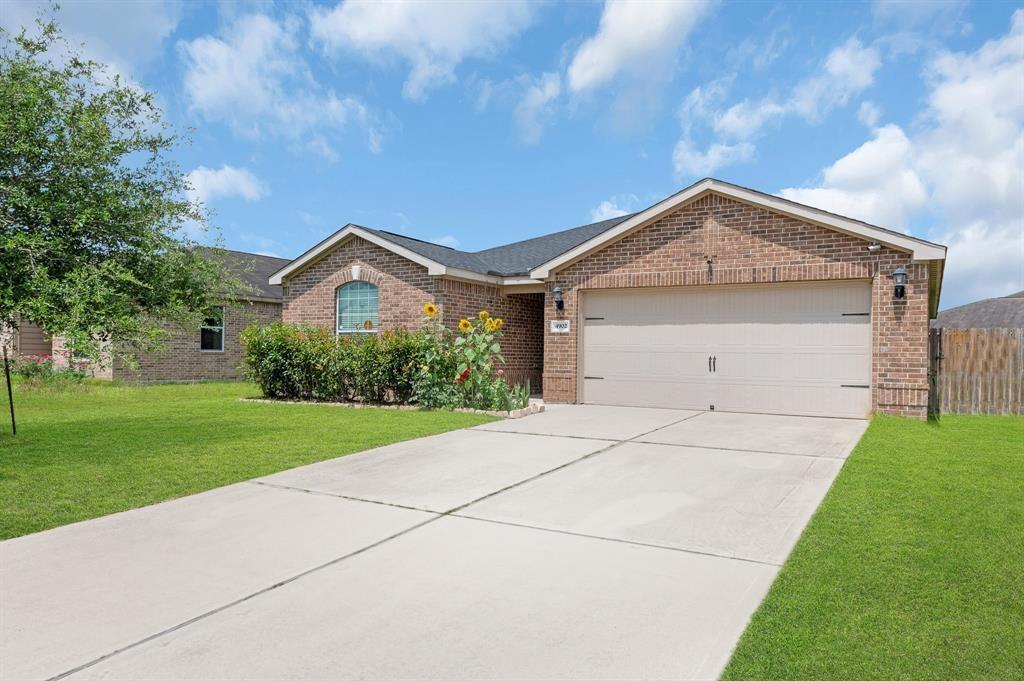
column 980, row 352
column 718, row 297
column 28, row 339
column 992, row 313
column 212, row 352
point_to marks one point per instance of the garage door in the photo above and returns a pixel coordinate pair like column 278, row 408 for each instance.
column 779, row 349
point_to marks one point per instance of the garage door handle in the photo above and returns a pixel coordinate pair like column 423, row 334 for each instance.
column 714, row 364
column 709, row 364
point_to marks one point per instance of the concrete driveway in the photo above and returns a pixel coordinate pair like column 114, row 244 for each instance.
column 583, row 542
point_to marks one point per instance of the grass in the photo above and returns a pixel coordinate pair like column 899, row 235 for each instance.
column 99, row 449
column 913, row 567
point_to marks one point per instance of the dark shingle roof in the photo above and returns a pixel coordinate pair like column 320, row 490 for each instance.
column 255, row 270
column 508, row 260
column 992, row 313
column 448, row 257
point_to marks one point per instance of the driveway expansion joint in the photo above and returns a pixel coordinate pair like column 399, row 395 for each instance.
column 616, row 540
column 291, row 488
column 737, row 449
column 238, row 601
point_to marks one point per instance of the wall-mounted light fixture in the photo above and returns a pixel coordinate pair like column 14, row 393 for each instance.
column 899, row 283
column 559, row 302
column 874, row 247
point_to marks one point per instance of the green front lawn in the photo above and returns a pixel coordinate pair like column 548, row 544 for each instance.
column 913, row 567
column 106, row 448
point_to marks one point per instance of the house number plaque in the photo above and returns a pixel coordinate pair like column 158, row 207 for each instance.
column 559, row 326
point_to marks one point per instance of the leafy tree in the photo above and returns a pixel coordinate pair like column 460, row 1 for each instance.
column 94, row 215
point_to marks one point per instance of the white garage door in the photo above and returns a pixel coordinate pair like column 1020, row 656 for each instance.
column 777, row 349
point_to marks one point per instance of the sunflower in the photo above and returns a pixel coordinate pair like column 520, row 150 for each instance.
column 490, row 326
column 498, row 323
column 430, row 309
column 465, row 325
column 484, row 315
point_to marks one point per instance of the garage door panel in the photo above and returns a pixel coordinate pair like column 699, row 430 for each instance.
column 778, row 349
column 632, row 392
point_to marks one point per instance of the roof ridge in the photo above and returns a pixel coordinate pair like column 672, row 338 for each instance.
column 412, row 238
column 618, row 218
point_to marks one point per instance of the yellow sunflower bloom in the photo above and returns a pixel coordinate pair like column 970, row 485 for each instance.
column 498, row 323
column 465, row 326
column 430, row 309
column 484, row 315
column 490, row 326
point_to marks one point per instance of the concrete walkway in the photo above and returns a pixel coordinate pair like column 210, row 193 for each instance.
column 583, row 542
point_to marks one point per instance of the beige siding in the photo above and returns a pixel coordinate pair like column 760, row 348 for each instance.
column 32, row 340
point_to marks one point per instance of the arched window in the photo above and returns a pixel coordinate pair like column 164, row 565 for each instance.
column 357, row 307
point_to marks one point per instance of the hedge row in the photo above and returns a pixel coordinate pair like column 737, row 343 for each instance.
column 300, row 362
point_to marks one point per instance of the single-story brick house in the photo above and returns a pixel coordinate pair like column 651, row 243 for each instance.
column 212, row 352
column 718, row 297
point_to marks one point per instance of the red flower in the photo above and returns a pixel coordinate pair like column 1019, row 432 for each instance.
column 462, row 377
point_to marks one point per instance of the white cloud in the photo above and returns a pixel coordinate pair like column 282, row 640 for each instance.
column 535, row 106
column 253, row 78
column 432, row 37
column 227, row 181
column 614, row 207
column 848, row 70
column 310, row 219
column 876, row 182
column 913, row 13
column 447, row 240
column 745, row 120
column 134, row 38
column 689, row 161
column 635, row 37
column 868, row 114
column 963, row 169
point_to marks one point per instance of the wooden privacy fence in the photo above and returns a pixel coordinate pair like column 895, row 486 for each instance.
column 978, row 371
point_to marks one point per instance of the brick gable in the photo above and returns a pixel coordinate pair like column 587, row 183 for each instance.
column 746, row 244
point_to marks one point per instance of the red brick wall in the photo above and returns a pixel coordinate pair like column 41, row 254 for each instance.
column 747, row 244
column 523, row 344
column 182, row 360
column 404, row 288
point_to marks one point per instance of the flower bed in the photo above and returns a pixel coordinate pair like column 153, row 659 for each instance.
column 431, row 367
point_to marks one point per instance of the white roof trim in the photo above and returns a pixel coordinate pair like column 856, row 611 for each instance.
column 921, row 250
column 433, row 267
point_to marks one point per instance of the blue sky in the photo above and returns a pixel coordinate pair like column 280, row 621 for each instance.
column 475, row 124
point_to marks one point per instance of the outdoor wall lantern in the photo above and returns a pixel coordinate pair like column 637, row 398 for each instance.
column 559, row 303
column 899, row 283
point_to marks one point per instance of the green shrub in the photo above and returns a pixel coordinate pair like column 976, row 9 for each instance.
column 432, row 367
column 293, row 361
column 41, row 371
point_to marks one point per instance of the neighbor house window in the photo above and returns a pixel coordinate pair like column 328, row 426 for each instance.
column 357, row 308
column 211, row 333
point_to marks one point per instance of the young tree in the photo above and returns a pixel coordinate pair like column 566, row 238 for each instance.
column 94, row 215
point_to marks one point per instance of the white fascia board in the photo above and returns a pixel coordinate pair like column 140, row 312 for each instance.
column 457, row 273
column 433, row 267
column 921, row 250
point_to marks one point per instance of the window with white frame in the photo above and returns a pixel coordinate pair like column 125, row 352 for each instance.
column 357, row 308
column 211, row 333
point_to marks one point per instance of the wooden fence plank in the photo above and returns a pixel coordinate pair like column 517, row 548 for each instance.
column 981, row 370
